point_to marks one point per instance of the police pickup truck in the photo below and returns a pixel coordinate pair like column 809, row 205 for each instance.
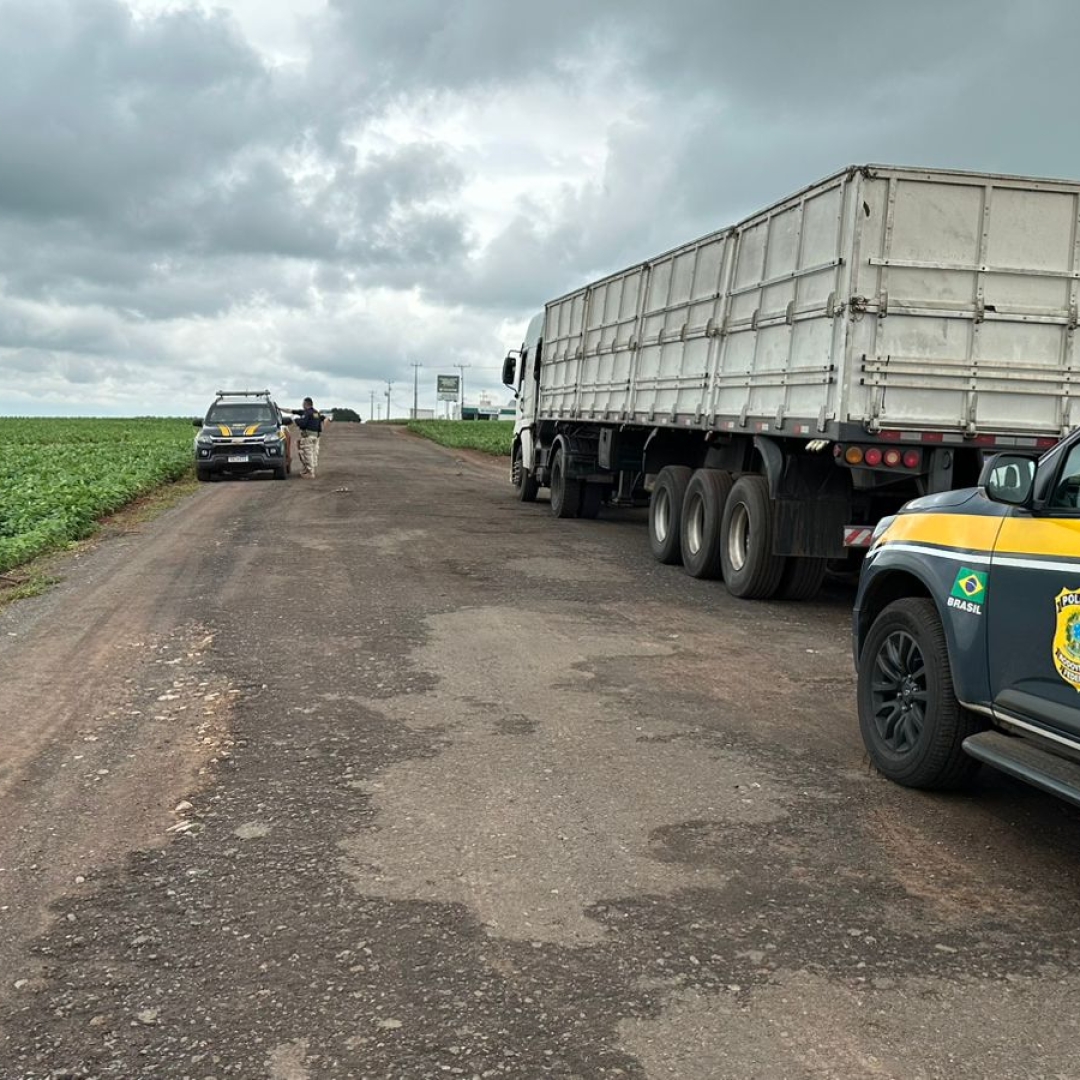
column 967, row 629
column 243, row 432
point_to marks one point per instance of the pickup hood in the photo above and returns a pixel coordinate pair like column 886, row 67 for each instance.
column 238, row 431
column 943, row 500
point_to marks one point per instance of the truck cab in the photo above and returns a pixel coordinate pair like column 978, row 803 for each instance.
column 967, row 629
column 521, row 372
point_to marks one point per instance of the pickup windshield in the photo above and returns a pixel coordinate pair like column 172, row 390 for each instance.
column 239, row 413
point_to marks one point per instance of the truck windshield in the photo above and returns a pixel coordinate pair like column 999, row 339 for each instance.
column 241, row 412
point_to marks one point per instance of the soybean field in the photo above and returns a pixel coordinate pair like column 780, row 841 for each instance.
column 488, row 436
column 58, row 477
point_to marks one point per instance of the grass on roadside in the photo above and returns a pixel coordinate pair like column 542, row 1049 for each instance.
column 22, row 586
column 488, row 436
column 60, row 477
column 40, row 573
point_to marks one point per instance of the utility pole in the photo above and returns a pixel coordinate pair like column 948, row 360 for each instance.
column 388, row 385
column 415, row 388
column 461, row 368
column 372, row 404
column 379, row 407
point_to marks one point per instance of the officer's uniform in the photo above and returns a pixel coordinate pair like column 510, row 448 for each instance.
column 310, row 424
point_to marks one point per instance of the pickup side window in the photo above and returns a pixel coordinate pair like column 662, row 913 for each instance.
column 1066, row 493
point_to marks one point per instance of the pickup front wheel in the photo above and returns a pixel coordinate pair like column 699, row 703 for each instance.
column 912, row 725
column 523, row 480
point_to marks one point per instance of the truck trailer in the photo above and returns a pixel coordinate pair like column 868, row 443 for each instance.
column 774, row 389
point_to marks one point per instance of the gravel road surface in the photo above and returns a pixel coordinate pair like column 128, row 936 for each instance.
column 387, row 775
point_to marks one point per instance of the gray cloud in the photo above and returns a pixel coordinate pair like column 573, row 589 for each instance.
column 171, row 201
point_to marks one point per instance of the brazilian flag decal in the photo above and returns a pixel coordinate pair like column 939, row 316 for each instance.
column 969, row 585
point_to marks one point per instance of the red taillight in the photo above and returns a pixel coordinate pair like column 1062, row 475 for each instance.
column 911, row 459
column 893, row 458
column 872, row 456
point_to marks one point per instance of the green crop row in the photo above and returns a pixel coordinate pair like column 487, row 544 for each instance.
column 488, row 436
column 58, row 477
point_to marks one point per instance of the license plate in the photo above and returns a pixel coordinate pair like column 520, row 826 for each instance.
column 236, row 459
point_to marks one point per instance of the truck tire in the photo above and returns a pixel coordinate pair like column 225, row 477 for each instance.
column 751, row 570
column 802, row 578
column 911, row 723
column 281, row 472
column 592, row 498
column 203, row 475
column 665, row 513
column 524, row 482
column 699, row 525
column 565, row 493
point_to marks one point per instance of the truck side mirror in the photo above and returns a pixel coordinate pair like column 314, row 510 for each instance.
column 1009, row 479
column 509, row 369
column 197, row 423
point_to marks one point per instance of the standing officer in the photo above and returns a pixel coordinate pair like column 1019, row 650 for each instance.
column 310, row 424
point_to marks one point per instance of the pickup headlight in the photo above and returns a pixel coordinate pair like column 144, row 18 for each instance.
column 272, row 438
column 881, row 528
column 204, row 440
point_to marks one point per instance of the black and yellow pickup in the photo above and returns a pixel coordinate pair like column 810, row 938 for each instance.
column 967, row 629
column 243, row 432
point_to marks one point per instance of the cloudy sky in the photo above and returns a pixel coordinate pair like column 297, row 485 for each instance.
column 311, row 195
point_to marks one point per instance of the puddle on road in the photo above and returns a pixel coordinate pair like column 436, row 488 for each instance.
column 528, row 831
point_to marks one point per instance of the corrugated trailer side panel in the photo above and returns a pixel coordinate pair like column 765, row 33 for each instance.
column 782, row 339
column 611, row 318
column 970, row 303
column 682, row 312
column 738, row 326
column 885, row 298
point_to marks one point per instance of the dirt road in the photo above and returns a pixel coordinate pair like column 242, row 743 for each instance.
column 387, row 775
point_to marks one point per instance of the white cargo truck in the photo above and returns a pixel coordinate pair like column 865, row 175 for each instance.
column 775, row 388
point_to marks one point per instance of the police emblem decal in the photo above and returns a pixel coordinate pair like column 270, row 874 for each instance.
column 1067, row 636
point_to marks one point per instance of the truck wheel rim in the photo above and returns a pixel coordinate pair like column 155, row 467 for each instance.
column 695, row 526
column 517, row 470
column 739, row 537
column 661, row 523
column 898, row 692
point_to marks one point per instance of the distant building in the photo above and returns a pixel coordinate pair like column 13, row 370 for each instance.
column 486, row 409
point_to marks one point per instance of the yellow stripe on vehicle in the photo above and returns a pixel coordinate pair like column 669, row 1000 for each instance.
column 224, row 430
column 968, row 532
column 1040, row 536
column 251, row 429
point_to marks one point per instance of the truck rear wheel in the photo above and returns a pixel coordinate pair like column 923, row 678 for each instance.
column 751, row 570
column 802, row 578
column 524, row 482
column 665, row 513
column 699, row 527
column 565, row 493
column 911, row 723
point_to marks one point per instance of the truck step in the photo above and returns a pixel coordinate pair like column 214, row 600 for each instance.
column 1023, row 759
